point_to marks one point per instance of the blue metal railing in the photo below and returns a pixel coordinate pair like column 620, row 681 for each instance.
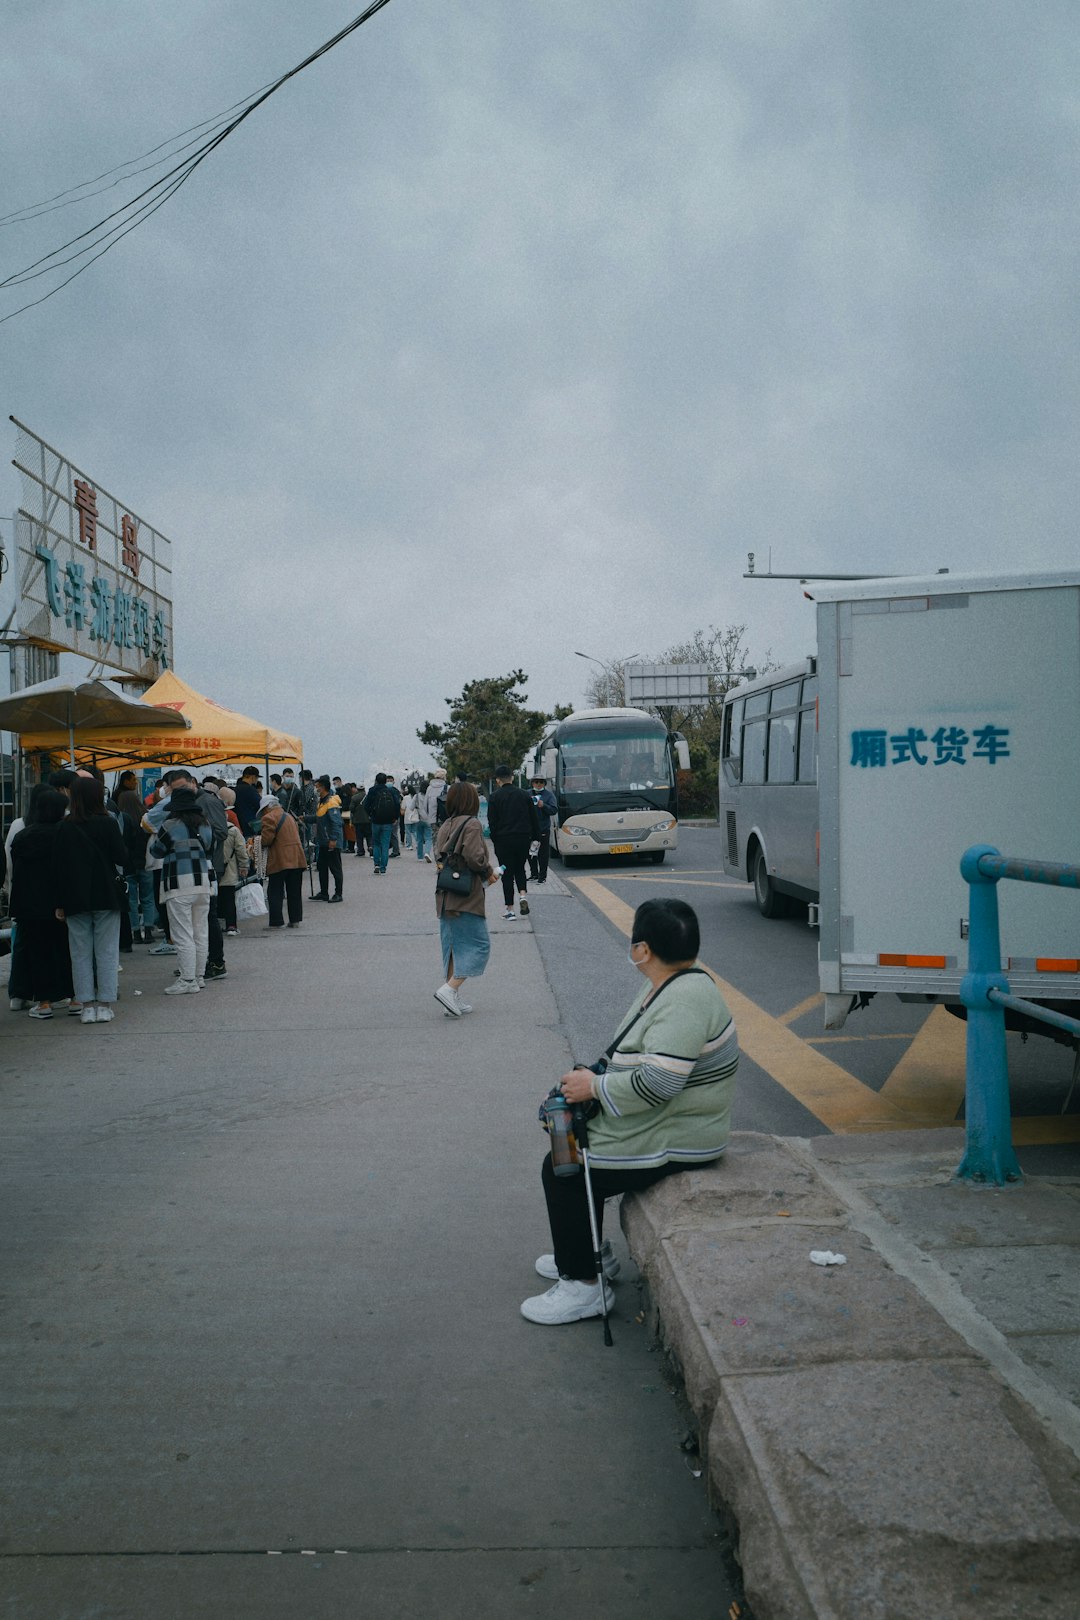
column 989, row 1154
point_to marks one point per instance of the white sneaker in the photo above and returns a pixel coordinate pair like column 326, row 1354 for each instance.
column 17, row 1004
column 546, row 1266
column 568, row 1301
column 182, row 987
column 105, row 1015
column 464, row 1005
column 447, row 995
column 163, row 949
column 509, row 914
column 88, row 1015
column 428, row 858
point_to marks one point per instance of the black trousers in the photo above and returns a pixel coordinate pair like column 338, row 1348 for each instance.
column 513, row 857
column 538, row 863
column 568, row 1209
column 45, row 962
column 215, row 943
column 329, row 865
column 289, row 886
column 226, row 904
column 162, row 911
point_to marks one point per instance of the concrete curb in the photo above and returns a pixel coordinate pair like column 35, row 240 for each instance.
column 878, row 1458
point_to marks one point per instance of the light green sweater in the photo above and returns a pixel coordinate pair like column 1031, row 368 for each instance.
column 666, row 1096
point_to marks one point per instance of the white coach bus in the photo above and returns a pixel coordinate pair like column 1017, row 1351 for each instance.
column 612, row 772
column 768, row 786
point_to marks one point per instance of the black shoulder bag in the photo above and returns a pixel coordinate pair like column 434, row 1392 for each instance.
column 454, row 876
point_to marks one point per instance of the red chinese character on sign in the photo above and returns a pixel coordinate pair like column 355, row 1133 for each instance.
column 86, row 502
column 129, row 549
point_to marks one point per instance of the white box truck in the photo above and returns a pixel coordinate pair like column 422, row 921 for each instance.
column 948, row 715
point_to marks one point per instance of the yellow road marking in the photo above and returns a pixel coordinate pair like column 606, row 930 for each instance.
column 1033, row 1130
column 851, row 1040
column 669, row 877
column 929, row 1078
column 793, row 1014
column 833, row 1096
column 922, row 1091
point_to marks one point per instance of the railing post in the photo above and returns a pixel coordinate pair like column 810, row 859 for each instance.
column 989, row 1154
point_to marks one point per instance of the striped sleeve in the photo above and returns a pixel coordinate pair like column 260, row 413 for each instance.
column 690, row 1044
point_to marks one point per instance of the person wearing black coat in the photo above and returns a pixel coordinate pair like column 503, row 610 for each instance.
column 44, row 940
column 90, row 855
column 514, row 826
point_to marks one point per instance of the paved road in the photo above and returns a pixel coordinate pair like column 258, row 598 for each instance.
column 263, row 1255
column 891, row 1066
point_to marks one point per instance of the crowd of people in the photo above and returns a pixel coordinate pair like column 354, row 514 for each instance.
column 93, row 874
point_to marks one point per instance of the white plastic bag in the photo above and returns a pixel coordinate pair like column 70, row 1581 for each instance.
column 251, row 901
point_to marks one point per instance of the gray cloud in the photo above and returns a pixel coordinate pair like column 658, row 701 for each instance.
column 505, row 331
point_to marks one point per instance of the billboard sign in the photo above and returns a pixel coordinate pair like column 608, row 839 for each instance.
column 672, row 686
column 94, row 578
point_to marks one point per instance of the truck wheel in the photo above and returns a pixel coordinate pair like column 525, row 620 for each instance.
column 657, row 856
column 769, row 901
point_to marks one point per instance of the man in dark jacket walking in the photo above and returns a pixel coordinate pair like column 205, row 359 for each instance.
column 514, row 826
column 383, row 805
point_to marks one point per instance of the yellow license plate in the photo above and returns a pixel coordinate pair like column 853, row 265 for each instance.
column 621, row 849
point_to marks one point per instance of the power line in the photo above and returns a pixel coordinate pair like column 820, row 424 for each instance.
column 49, row 205
column 97, row 240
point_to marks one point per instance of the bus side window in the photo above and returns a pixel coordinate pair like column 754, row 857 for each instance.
column 753, row 751
column 782, row 748
column 808, row 745
column 808, row 723
column 733, row 737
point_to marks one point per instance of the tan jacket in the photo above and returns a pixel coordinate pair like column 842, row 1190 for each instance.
column 280, row 838
column 473, row 851
column 235, row 852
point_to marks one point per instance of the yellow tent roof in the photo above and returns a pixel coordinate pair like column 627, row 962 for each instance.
column 216, row 734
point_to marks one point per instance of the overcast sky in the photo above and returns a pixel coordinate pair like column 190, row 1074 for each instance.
column 508, row 330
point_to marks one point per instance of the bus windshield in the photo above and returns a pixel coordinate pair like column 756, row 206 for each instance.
column 614, row 764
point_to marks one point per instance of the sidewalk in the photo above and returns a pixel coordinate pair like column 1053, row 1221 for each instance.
column 899, row 1435
column 264, row 1249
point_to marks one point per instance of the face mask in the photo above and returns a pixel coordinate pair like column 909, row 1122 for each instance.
column 630, row 954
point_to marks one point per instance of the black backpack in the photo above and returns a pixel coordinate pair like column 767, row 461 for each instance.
column 384, row 808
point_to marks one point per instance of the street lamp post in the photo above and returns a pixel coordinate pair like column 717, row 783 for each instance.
column 609, row 668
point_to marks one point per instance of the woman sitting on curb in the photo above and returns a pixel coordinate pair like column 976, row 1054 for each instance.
column 662, row 1103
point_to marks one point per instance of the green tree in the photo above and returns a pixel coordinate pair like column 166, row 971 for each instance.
column 726, row 656
column 488, row 724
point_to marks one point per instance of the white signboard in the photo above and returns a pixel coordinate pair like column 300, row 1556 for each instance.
column 674, row 686
column 94, row 578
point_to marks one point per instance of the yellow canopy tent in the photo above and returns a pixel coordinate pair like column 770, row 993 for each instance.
column 216, row 734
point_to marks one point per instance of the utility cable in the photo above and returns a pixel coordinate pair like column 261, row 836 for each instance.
column 154, row 196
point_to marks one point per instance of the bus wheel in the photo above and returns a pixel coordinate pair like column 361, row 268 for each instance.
column 657, row 856
column 770, row 902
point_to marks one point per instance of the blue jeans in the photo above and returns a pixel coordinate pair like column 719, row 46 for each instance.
column 422, row 837
column 94, row 942
column 380, row 843
column 142, row 907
